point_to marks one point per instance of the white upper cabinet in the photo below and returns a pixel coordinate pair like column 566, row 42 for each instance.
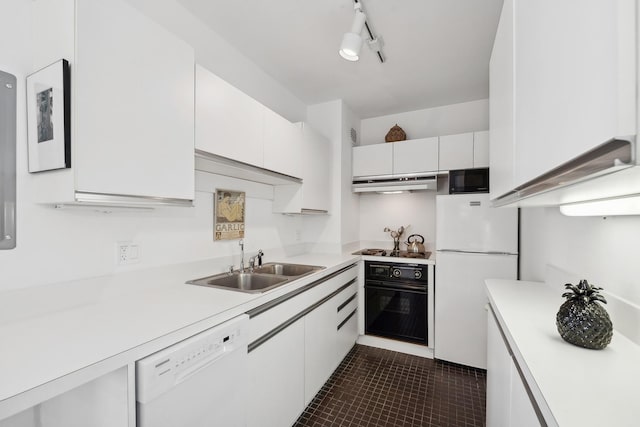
column 575, row 84
column 456, row 151
column 501, row 106
column 415, row 156
column 314, row 161
column 375, row 159
column 481, row 149
column 282, row 144
column 422, row 156
column 563, row 81
column 316, row 175
column 133, row 111
column 229, row 123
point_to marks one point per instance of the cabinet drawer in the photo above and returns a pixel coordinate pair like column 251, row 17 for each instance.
column 268, row 316
column 347, row 302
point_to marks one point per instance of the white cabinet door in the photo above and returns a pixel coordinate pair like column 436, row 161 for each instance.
column 501, row 106
column 347, row 321
column 575, row 80
column 276, row 379
column 330, row 332
column 522, row 412
column 498, row 376
column 317, row 169
column 134, row 104
column 415, row 156
column 319, row 348
column 282, row 145
column 456, row 151
column 315, row 164
column 229, row 123
column 508, row 403
column 481, row 149
column 376, row 159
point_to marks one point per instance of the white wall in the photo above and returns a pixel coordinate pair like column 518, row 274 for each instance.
column 59, row 245
column 334, row 119
column 603, row 251
column 445, row 120
column 350, row 202
column 418, row 210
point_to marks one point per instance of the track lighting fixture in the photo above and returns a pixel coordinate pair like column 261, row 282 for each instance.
column 352, row 41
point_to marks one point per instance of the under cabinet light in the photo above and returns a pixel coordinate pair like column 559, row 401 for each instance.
column 390, row 192
column 626, row 205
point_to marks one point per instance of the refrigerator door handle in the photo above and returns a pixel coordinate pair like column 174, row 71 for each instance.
column 458, row 251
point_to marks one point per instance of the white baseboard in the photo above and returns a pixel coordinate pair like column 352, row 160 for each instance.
column 399, row 346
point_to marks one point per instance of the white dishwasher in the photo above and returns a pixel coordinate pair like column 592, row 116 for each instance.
column 198, row 382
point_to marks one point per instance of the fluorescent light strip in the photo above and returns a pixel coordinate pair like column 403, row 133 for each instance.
column 626, row 205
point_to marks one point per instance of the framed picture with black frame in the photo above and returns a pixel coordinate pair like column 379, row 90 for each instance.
column 49, row 117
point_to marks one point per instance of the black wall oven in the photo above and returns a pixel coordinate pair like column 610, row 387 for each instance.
column 396, row 301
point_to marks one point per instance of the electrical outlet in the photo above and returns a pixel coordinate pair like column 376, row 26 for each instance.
column 298, row 235
column 127, row 253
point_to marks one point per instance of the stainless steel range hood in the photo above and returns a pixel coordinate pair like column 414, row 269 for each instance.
column 394, row 183
column 593, row 175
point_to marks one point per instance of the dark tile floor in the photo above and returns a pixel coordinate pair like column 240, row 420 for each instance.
column 376, row 387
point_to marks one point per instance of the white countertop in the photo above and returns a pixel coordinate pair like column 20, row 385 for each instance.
column 574, row 386
column 56, row 330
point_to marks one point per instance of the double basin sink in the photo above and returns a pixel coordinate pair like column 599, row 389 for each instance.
column 260, row 279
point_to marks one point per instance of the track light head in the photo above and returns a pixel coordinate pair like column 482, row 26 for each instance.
column 352, row 41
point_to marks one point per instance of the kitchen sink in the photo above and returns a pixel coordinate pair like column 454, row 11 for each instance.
column 243, row 282
column 262, row 278
column 289, row 270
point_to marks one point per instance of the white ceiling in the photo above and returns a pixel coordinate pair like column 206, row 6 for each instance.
column 437, row 51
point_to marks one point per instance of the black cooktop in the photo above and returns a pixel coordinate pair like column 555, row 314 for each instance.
column 392, row 253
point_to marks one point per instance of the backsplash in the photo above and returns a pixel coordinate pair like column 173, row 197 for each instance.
column 557, row 249
column 416, row 210
column 60, row 245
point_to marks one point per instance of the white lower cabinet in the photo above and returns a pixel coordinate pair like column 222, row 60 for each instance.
column 329, row 335
column 276, row 379
column 319, row 348
column 103, row 402
column 508, row 403
column 294, row 352
column 347, row 321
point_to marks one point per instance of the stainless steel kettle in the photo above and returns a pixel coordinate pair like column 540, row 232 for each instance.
column 415, row 245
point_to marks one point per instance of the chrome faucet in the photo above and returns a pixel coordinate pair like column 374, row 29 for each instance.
column 241, row 243
column 252, row 260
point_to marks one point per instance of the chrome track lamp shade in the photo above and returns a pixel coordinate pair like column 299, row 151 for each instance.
column 352, row 41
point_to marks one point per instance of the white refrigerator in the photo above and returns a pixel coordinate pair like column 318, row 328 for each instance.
column 474, row 242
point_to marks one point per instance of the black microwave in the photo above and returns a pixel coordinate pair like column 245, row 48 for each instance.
column 463, row 181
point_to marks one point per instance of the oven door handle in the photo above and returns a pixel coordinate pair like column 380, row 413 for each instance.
column 404, row 287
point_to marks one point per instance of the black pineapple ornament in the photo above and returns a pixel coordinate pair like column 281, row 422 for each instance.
column 581, row 320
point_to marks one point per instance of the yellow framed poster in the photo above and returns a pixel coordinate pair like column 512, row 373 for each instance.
column 229, row 215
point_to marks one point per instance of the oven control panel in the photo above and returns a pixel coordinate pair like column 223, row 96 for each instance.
column 395, row 271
